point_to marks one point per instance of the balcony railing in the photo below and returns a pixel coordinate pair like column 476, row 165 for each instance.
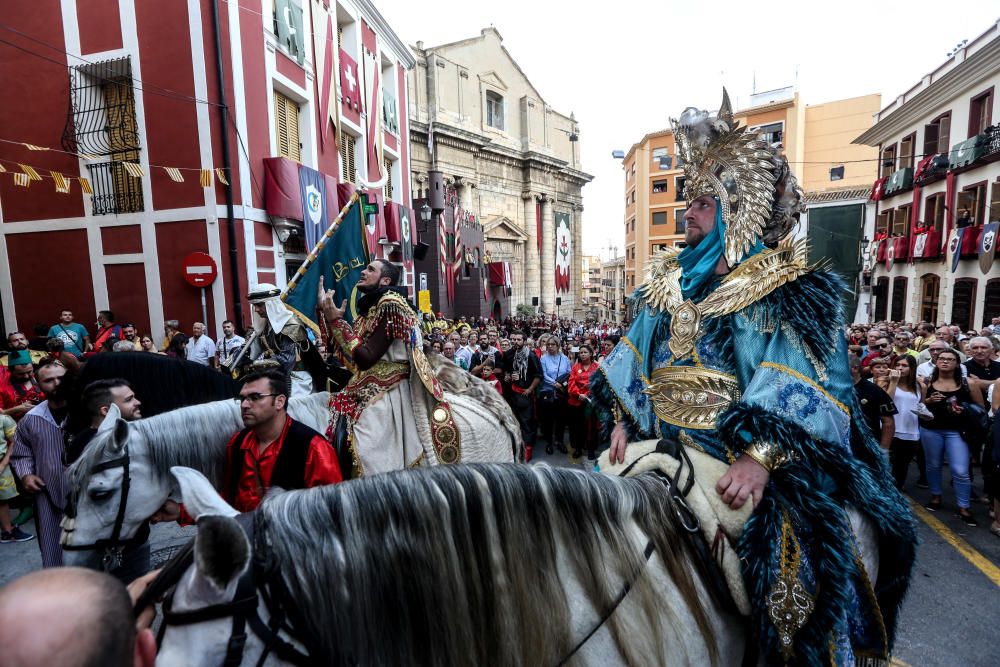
column 115, row 190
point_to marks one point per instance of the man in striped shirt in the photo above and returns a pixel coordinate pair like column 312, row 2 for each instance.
column 38, row 459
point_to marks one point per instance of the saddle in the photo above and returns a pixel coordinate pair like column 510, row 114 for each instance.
column 694, row 474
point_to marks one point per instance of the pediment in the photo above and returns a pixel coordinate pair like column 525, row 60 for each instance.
column 499, row 227
column 493, row 79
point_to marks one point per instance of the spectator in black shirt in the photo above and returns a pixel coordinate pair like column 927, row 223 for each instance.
column 983, row 371
column 876, row 405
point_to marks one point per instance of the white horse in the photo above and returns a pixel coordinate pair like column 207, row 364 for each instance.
column 195, row 436
column 452, row 565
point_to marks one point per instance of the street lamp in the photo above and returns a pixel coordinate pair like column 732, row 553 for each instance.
column 425, row 213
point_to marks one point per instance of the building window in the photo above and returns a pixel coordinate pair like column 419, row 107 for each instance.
column 930, row 284
column 888, row 161
column 906, row 151
column 347, row 165
column 286, row 124
column 898, row 304
column 288, row 27
column 934, row 212
column 881, row 293
column 991, row 306
column 660, row 218
column 772, row 133
column 494, row 110
column 963, row 302
column 680, row 224
column 901, row 220
column 972, row 204
column 633, row 196
column 883, row 221
column 837, row 173
column 937, row 134
column 662, row 159
column 661, row 186
column 678, row 188
column 387, row 188
column 994, row 210
column 980, row 112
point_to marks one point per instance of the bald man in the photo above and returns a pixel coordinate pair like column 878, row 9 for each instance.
column 71, row 617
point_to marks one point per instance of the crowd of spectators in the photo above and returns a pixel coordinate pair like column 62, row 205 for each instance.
column 929, row 394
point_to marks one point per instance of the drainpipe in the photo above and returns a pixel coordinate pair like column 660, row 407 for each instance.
column 234, row 275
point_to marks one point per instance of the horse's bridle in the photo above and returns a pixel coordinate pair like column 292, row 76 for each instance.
column 242, row 609
column 114, row 547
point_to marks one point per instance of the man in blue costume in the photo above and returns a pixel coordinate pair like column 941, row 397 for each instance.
column 737, row 350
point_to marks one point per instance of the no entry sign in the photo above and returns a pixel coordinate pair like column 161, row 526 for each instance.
column 200, row 269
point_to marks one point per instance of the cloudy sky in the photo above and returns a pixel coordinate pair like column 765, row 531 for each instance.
column 626, row 66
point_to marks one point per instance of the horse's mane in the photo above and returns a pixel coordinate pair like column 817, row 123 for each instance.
column 193, row 437
column 457, row 565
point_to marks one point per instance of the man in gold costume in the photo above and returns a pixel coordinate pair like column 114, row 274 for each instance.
column 737, row 350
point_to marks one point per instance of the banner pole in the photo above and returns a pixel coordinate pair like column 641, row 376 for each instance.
column 333, row 227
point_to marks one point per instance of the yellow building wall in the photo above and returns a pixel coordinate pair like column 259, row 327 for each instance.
column 830, row 129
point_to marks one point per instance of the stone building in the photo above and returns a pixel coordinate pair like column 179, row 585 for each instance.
column 513, row 160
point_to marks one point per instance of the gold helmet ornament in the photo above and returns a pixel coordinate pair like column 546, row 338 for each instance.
column 759, row 197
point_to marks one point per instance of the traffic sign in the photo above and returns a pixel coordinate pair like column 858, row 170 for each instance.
column 200, row 269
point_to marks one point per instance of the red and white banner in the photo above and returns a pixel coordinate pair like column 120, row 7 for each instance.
column 325, row 47
column 350, row 87
column 372, row 66
column 564, row 252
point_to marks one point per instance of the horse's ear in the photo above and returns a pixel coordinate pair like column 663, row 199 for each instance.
column 221, row 551
column 199, row 496
column 108, row 423
column 120, row 435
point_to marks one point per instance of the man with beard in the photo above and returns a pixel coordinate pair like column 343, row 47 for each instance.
column 273, row 450
column 372, row 417
column 736, row 353
column 522, row 372
column 38, row 459
column 280, row 336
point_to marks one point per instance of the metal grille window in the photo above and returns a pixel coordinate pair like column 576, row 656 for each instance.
column 347, row 166
column 286, row 123
column 102, row 123
column 387, row 189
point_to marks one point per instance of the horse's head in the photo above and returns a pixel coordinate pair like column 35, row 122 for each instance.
column 114, row 489
column 198, row 615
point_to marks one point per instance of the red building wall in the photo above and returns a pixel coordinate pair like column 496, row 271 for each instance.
column 51, row 271
column 99, row 24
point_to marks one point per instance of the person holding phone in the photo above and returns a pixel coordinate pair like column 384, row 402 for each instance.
column 944, row 393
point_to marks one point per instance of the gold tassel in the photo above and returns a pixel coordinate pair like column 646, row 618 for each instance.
column 133, row 169
column 30, row 172
column 206, row 178
column 175, row 174
column 222, row 176
column 85, row 185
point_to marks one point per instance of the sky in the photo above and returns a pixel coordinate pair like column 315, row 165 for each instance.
column 625, row 68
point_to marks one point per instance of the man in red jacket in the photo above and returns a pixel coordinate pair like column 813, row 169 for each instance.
column 273, row 449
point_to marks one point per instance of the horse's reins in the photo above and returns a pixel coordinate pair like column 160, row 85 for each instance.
column 114, row 547
column 677, row 489
column 242, row 608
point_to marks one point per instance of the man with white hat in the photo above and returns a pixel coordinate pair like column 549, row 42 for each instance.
column 279, row 336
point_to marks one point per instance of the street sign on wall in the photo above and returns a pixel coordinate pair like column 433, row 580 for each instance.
column 200, row 269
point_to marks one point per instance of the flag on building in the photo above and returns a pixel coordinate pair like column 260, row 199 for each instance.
column 288, row 20
column 919, row 244
column 955, row 247
column 325, row 45
column 339, row 261
column 407, row 233
column 315, row 216
column 987, row 246
column 350, row 90
column 372, row 69
column 890, row 254
column 564, row 252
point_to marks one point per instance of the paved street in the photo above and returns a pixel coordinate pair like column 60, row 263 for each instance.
column 947, row 620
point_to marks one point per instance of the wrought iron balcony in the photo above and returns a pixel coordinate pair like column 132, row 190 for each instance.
column 115, row 191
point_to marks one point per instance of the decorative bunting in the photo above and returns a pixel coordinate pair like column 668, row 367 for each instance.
column 85, row 185
column 134, row 170
column 33, row 147
column 88, row 156
column 3, row 169
column 30, row 172
column 22, row 179
column 62, row 183
column 222, row 175
column 205, row 178
column 175, row 174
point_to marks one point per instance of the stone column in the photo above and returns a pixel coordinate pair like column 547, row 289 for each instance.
column 467, row 196
column 529, row 259
column 548, row 257
column 576, row 277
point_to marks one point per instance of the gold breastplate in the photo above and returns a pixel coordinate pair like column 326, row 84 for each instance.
column 691, row 396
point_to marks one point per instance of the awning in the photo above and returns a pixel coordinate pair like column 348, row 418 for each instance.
column 968, row 151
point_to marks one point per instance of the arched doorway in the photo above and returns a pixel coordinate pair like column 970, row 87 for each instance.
column 881, row 299
column 963, row 302
column 991, row 307
column 930, row 286
column 898, row 302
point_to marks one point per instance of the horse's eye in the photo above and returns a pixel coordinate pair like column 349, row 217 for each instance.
column 101, row 494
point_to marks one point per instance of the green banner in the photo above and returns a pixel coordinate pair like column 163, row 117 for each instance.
column 288, row 27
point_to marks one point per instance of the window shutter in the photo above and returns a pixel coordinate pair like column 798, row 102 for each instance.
column 286, row 127
column 387, row 190
column 347, row 157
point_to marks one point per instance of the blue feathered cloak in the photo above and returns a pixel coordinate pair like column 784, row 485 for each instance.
column 788, row 353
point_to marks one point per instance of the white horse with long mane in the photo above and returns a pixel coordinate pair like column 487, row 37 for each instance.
column 105, row 512
column 453, row 565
